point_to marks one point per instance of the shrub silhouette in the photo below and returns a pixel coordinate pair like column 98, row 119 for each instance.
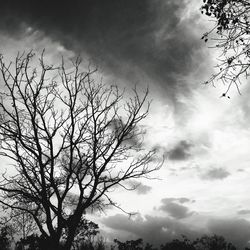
column 184, row 244
column 5, row 237
column 214, row 242
column 129, row 245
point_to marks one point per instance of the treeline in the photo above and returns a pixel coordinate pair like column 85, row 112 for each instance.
column 90, row 240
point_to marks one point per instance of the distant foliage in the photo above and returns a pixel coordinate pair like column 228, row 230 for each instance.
column 149, row 247
column 31, row 242
column 204, row 243
column 96, row 245
column 5, row 237
column 38, row 242
column 132, row 245
column 214, row 242
column 177, row 244
column 129, row 245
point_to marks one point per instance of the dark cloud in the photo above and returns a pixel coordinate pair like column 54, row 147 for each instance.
column 176, row 211
column 180, row 152
column 244, row 211
column 234, row 230
column 216, row 174
column 159, row 230
column 156, row 230
column 173, row 207
column 123, row 36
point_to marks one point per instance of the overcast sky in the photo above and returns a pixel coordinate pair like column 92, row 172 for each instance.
column 204, row 183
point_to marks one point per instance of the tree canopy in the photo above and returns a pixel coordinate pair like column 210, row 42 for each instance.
column 231, row 36
column 69, row 139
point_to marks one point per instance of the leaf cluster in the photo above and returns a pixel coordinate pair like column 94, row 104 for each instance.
column 231, row 36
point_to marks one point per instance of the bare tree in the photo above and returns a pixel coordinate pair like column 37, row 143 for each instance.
column 231, row 35
column 70, row 141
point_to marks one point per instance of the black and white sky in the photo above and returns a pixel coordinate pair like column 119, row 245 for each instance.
column 204, row 183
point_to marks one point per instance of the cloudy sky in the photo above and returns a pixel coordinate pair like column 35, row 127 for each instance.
column 203, row 186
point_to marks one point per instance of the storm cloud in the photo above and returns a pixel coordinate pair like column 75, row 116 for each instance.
column 127, row 38
column 153, row 229
column 216, row 174
column 174, row 209
column 180, row 152
column 159, row 230
column 235, row 230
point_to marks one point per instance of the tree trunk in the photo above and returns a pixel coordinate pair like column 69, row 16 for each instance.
column 69, row 240
column 72, row 227
column 51, row 244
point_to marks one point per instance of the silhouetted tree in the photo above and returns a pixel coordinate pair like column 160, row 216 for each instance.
column 129, row 244
column 23, row 223
column 231, row 35
column 149, row 247
column 85, row 233
column 86, row 246
column 100, row 244
column 31, row 242
column 6, row 233
column 179, row 244
column 214, row 242
column 69, row 140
